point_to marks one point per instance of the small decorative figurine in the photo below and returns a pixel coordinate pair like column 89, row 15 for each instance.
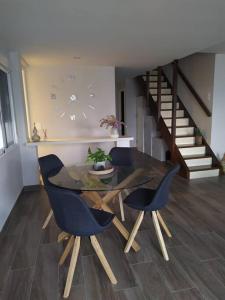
column 35, row 137
column 45, row 134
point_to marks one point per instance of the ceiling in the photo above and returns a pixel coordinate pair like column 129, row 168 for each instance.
column 218, row 48
column 124, row 33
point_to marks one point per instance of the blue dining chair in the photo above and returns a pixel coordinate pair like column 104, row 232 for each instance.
column 122, row 156
column 144, row 200
column 73, row 216
column 50, row 165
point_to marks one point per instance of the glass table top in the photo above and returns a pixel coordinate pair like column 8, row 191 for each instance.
column 122, row 177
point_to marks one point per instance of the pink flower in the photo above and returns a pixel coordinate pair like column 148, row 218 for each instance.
column 110, row 121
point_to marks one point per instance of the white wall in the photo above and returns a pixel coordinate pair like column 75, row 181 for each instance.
column 131, row 96
column 94, row 87
column 3, row 58
column 199, row 69
column 218, row 116
column 29, row 162
column 11, row 182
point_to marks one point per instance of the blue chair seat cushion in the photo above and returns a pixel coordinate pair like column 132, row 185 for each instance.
column 140, row 198
column 103, row 218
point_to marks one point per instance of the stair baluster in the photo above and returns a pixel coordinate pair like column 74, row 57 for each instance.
column 147, row 87
column 174, row 108
column 159, row 95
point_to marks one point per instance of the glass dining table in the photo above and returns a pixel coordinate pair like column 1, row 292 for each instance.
column 102, row 189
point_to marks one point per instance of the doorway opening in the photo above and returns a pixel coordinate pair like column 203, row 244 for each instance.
column 122, row 112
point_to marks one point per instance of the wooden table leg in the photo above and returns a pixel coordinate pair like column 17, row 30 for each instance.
column 63, row 236
column 94, row 196
column 125, row 233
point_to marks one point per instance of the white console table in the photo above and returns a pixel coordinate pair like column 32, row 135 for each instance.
column 31, row 167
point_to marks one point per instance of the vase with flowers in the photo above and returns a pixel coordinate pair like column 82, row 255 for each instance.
column 111, row 122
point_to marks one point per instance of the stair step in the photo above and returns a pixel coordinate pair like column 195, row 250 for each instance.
column 153, row 78
column 154, row 84
column 204, row 172
column 190, row 151
column 188, row 140
column 163, row 91
column 164, row 98
column 199, row 161
column 168, row 105
column 179, row 122
column 184, row 131
column 154, row 72
column 168, row 113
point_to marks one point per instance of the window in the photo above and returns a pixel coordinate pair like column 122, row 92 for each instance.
column 6, row 123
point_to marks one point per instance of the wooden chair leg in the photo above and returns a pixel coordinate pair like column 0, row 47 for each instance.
column 47, row 219
column 72, row 267
column 66, row 251
column 159, row 236
column 163, row 224
column 134, row 231
column 121, row 207
column 103, row 259
column 63, row 236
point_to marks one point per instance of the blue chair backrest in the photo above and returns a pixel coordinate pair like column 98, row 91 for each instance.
column 161, row 196
column 71, row 213
column 122, row 156
column 50, row 165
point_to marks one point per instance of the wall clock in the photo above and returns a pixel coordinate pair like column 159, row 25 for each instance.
column 73, row 99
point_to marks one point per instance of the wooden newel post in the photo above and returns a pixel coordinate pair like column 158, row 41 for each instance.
column 147, row 87
column 174, row 108
column 159, row 94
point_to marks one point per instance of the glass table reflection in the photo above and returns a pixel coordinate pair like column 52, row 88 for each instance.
column 123, row 177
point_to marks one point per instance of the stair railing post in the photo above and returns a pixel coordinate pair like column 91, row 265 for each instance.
column 159, row 76
column 147, row 87
column 174, row 108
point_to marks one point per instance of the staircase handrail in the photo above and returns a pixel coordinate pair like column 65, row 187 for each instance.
column 192, row 89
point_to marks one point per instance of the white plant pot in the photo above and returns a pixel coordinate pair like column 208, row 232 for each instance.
column 114, row 133
column 99, row 165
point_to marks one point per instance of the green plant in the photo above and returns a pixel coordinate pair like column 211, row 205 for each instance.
column 198, row 132
column 98, row 156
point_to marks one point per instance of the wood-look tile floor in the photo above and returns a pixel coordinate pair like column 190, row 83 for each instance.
column 196, row 270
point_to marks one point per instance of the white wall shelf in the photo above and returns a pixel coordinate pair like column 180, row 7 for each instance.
column 121, row 141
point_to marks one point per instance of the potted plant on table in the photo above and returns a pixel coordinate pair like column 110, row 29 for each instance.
column 112, row 123
column 99, row 158
column 198, row 136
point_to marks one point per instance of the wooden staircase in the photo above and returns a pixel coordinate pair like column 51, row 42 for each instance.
column 177, row 127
